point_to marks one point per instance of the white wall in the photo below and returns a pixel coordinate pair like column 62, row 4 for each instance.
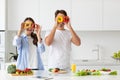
column 108, row 41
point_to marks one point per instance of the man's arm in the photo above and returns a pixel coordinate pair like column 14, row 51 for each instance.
column 75, row 38
column 50, row 37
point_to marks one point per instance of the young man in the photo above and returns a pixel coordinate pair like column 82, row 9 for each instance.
column 59, row 39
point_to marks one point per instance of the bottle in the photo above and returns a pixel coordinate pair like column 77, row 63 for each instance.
column 73, row 68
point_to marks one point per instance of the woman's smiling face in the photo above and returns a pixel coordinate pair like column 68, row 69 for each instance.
column 29, row 29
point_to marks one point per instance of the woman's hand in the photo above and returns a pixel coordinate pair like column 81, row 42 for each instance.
column 22, row 26
column 38, row 31
column 21, row 29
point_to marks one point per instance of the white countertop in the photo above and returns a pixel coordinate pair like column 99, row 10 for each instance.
column 5, row 76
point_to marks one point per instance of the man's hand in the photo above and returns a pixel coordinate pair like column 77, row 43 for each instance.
column 68, row 24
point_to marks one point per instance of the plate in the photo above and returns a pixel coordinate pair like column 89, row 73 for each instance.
column 105, row 72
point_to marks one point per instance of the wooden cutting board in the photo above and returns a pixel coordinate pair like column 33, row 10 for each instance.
column 21, row 74
column 60, row 72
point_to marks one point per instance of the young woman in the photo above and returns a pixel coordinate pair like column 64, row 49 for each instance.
column 59, row 39
column 29, row 45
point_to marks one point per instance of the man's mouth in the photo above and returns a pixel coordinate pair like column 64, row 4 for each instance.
column 61, row 24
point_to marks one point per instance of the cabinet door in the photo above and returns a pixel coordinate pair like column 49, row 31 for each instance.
column 2, row 14
column 87, row 14
column 2, row 49
column 48, row 8
column 111, row 14
column 2, row 41
column 18, row 10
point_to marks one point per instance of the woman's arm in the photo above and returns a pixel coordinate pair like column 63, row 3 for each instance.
column 17, row 39
column 38, row 32
column 41, row 47
column 20, row 30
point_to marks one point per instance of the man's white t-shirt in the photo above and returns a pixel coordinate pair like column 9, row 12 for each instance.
column 60, row 49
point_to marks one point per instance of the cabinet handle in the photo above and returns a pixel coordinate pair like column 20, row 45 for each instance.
column 0, row 39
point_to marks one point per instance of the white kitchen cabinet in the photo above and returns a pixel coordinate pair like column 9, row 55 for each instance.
column 2, row 45
column 2, row 40
column 18, row 10
column 2, row 14
column 47, row 11
column 2, row 49
column 84, row 14
column 111, row 14
column 87, row 14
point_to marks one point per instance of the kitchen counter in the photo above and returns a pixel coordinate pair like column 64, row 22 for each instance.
column 96, row 63
column 48, row 76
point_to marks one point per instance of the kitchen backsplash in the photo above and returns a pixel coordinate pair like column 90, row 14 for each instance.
column 96, row 46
